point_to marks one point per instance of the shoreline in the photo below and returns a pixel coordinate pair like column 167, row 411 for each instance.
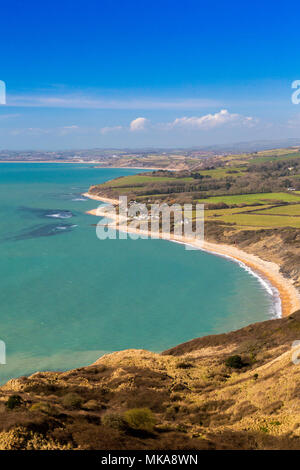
column 93, row 163
column 140, row 168
column 50, row 161
column 267, row 271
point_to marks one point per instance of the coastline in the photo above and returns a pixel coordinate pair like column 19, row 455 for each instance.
column 140, row 168
column 92, row 163
column 49, row 161
column 266, row 271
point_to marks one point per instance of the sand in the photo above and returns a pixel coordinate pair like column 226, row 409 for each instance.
column 288, row 293
column 102, row 199
column 93, row 162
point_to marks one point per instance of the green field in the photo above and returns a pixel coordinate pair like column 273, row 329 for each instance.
column 261, row 198
column 235, row 210
column 220, row 173
column 290, row 210
column 275, row 155
column 130, row 181
column 262, row 221
column 224, row 174
column 262, row 216
column 262, row 156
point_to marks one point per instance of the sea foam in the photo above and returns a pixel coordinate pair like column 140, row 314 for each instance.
column 276, row 308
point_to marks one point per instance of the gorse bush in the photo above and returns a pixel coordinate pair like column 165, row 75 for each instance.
column 141, row 419
column 235, row 362
column 184, row 365
column 13, row 402
column 72, row 400
column 114, row 421
column 41, row 406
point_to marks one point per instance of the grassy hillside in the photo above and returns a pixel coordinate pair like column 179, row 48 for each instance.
column 232, row 391
column 254, row 191
column 188, row 159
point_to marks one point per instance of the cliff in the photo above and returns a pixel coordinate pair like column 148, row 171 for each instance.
column 278, row 245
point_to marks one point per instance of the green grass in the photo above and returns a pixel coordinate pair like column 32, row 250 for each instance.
column 129, row 181
column 236, row 210
column 265, row 221
column 250, row 219
column 220, row 173
column 263, row 216
column 290, row 210
column 252, row 198
column 270, row 217
column 276, row 157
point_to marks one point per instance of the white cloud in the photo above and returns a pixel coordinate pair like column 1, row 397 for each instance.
column 82, row 100
column 33, row 131
column 107, row 129
column 65, row 130
column 138, row 124
column 209, row 121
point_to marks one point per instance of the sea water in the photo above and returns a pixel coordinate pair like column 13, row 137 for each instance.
column 67, row 297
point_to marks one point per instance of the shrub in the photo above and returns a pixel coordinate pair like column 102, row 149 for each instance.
column 114, row 421
column 14, row 401
column 252, row 358
column 21, row 439
column 184, row 365
column 40, row 406
column 140, row 418
column 235, row 362
column 264, row 429
column 72, row 400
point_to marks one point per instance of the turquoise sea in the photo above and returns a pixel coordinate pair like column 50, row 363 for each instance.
column 66, row 297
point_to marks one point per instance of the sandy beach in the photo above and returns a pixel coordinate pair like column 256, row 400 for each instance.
column 93, row 163
column 287, row 292
column 156, row 168
column 101, row 199
column 49, row 161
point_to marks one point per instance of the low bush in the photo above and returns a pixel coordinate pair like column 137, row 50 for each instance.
column 13, row 402
column 184, row 365
column 141, row 419
column 41, row 406
column 235, row 362
column 114, row 421
column 72, row 400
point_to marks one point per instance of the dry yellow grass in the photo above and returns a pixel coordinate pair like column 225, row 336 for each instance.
column 198, row 402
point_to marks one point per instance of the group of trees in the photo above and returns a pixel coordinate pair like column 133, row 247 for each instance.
column 271, row 176
column 275, row 168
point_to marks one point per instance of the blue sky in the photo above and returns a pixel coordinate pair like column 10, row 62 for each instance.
column 149, row 73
